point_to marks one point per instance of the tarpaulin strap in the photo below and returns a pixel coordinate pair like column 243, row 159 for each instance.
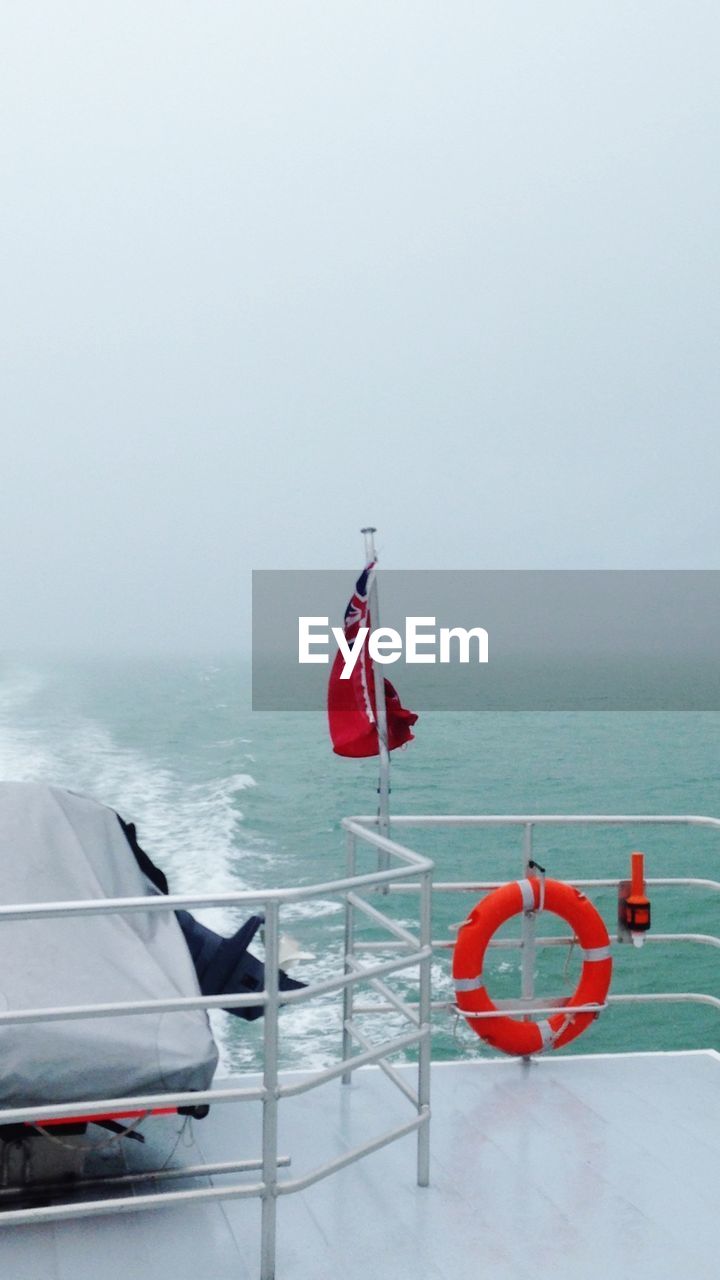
column 116, row 1129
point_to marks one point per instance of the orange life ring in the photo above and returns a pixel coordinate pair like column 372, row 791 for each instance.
column 530, row 1037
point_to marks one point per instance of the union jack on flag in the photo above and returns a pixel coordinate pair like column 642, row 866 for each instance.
column 357, row 612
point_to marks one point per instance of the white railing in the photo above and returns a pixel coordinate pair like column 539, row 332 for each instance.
column 362, row 828
column 366, row 897
column 403, row 866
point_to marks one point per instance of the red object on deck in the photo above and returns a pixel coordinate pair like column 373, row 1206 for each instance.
column 637, row 904
column 504, row 1032
column 106, row 1115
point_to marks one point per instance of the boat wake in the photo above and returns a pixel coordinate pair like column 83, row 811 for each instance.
column 192, row 830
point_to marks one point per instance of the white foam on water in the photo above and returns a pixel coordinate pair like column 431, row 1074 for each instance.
column 311, row 1033
column 311, row 910
column 19, row 687
column 24, row 752
column 191, row 831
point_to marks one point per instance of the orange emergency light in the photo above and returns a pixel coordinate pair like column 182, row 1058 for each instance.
column 635, row 905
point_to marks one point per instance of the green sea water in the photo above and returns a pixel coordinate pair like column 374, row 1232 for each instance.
column 225, row 798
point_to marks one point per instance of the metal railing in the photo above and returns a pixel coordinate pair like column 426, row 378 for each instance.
column 529, row 942
column 403, row 866
column 408, row 950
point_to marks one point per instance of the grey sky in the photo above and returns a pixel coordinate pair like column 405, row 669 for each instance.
column 270, row 271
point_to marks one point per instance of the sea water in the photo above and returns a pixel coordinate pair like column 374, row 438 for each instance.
column 227, row 799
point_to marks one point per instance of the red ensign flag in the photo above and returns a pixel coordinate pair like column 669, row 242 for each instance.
column 351, row 703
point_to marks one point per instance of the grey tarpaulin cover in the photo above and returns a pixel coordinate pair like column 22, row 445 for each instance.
column 56, row 846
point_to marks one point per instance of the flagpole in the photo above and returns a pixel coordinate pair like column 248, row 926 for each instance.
column 380, row 704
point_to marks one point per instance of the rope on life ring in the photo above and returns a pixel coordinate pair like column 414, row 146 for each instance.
column 504, row 1033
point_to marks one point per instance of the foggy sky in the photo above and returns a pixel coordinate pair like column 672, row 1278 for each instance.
column 272, row 271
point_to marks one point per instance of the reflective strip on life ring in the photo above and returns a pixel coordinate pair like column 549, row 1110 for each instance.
column 505, row 1033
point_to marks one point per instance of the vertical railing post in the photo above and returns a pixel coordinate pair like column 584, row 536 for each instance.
column 424, row 1048
column 378, row 674
column 270, row 1098
column 349, row 990
column 528, row 923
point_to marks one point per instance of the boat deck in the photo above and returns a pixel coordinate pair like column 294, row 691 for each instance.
column 578, row 1166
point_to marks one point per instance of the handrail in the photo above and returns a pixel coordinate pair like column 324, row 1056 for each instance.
column 408, row 866
column 477, row 886
column 364, row 827
column 411, row 873
column 537, row 819
column 125, row 1008
column 244, row 897
column 511, row 944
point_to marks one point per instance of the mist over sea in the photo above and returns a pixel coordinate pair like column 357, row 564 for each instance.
column 228, row 799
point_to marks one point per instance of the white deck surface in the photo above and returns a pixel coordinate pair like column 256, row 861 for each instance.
column 583, row 1167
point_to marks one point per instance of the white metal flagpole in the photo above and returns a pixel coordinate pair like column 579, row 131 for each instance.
column 379, row 686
